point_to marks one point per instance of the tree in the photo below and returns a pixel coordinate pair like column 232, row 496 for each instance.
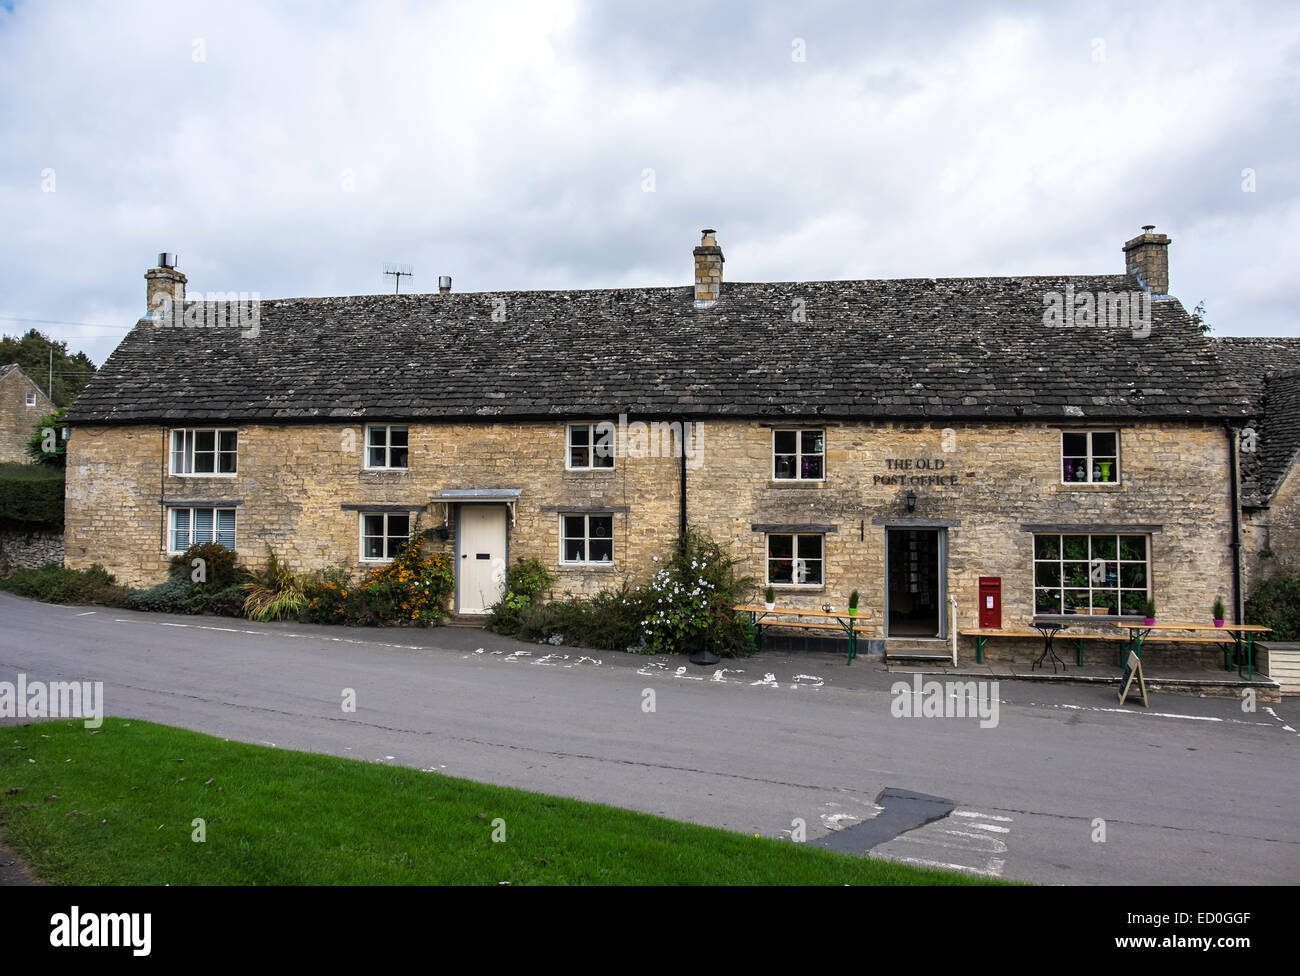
column 46, row 445
column 1199, row 319
column 32, row 353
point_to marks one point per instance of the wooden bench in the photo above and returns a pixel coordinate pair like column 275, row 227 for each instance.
column 759, row 615
column 983, row 634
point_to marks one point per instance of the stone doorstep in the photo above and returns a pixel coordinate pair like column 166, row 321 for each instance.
column 1267, row 690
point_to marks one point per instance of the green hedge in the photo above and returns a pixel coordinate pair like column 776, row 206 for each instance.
column 1275, row 602
column 31, row 495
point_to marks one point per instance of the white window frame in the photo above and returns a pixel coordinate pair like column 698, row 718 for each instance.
column 586, row 539
column 799, row 453
column 796, row 559
column 31, row 399
column 387, row 447
column 1060, row 462
column 590, row 447
column 189, row 436
column 361, row 534
column 173, row 513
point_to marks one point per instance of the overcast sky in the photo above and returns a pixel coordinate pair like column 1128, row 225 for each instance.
column 292, row 149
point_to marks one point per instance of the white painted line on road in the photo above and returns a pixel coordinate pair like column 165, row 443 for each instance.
column 991, row 828
column 986, row 816
column 769, row 681
column 993, row 870
column 1285, row 727
column 87, row 613
column 808, row 681
column 1125, row 711
column 985, row 844
column 163, row 623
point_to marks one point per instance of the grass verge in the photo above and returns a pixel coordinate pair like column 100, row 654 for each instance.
column 116, row 806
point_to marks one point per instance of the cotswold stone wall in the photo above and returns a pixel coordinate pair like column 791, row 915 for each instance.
column 1271, row 536
column 16, row 418
column 293, row 482
column 1174, row 479
column 28, row 549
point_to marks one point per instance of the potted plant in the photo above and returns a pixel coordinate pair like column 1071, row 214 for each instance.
column 769, row 599
column 1149, row 612
column 853, row 604
column 1218, row 611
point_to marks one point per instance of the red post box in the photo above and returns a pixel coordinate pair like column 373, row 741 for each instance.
column 991, row 602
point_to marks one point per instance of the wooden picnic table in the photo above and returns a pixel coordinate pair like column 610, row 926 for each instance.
column 1242, row 638
column 758, row 612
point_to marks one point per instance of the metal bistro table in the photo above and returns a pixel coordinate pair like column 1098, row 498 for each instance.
column 820, row 621
column 1241, row 646
column 1049, row 629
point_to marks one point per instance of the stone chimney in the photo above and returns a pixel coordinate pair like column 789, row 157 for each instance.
column 708, row 270
column 162, row 284
column 1146, row 257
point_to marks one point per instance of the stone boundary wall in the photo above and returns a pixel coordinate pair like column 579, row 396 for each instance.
column 22, row 548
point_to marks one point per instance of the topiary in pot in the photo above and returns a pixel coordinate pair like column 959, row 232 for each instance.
column 853, row 604
column 1218, row 611
column 769, row 598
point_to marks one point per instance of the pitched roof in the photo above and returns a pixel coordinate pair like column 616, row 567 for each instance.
column 1268, row 369
column 914, row 348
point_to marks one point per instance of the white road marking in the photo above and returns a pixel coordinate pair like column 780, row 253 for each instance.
column 87, row 613
column 993, row 870
column 1146, row 714
column 769, row 680
column 986, row 816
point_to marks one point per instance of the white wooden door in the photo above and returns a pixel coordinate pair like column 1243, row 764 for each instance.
column 481, row 557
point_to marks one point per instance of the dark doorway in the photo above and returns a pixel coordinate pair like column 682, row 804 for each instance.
column 913, row 566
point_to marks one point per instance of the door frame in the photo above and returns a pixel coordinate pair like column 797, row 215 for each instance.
column 460, row 538
column 941, row 562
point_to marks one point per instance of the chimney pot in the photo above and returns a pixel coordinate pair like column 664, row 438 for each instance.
column 1146, row 258
column 164, row 289
column 444, row 284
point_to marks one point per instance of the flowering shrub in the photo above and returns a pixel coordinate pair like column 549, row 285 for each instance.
column 413, row 589
column 689, row 602
column 327, row 594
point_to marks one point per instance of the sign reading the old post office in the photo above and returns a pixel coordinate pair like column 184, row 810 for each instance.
column 915, row 471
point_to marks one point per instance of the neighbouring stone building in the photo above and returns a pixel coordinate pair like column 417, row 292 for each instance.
column 1269, row 371
column 1064, row 445
column 22, row 404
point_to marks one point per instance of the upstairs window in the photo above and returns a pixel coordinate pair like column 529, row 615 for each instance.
column 587, row 538
column 799, row 455
column 204, row 452
column 193, row 526
column 590, row 446
column 1090, row 457
column 387, row 448
column 31, row 399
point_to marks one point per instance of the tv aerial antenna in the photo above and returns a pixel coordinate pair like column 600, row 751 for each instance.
column 398, row 271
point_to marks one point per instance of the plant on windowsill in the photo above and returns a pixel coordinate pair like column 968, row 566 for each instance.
column 1149, row 612
column 1218, row 611
column 853, row 604
column 769, row 599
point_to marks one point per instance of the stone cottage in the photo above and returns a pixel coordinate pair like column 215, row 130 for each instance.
column 1069, row 443
column 1269, row 371
column 22, row 404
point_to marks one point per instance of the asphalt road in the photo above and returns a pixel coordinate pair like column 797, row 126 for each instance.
column 1191, row 791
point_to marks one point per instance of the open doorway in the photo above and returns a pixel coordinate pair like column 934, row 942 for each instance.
column 915, row 585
